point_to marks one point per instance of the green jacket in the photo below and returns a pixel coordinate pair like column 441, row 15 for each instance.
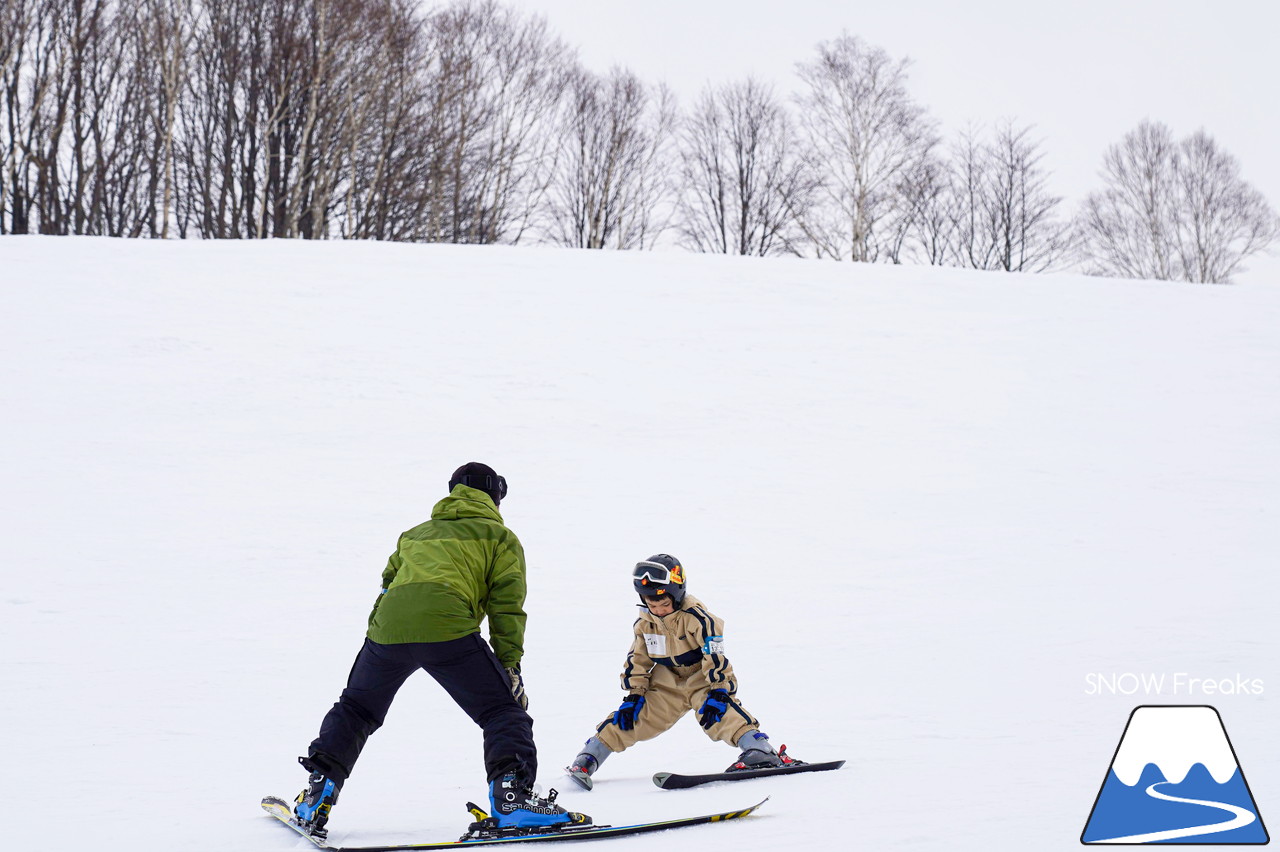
column 451, row 572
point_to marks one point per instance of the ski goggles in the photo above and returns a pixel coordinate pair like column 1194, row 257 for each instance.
column 656, row 572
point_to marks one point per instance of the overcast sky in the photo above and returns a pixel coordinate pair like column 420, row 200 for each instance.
column 1084, row 73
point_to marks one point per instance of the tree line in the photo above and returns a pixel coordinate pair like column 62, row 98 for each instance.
column 475, row 123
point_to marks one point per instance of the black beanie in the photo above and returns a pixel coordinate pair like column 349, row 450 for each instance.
column 481, row 476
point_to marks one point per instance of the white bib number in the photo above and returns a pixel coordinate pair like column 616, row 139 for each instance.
column 655, row 644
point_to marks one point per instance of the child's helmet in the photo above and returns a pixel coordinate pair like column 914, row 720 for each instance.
column 659, row 576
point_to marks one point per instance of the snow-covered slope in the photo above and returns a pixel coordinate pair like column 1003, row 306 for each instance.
column 928, row 504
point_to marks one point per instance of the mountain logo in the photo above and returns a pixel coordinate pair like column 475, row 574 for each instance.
column 1174, row 779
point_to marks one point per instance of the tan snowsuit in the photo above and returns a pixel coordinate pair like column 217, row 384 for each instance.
column 674, row 662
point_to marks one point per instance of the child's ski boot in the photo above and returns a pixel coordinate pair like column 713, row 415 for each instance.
column 316, row 801
column 587, row 762
column 517, row 805
column 758, row 753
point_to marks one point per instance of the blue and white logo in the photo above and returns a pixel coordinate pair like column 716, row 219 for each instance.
column 1175, row 779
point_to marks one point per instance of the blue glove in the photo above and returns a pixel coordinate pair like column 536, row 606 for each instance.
column 625, row 716
column 712, row 710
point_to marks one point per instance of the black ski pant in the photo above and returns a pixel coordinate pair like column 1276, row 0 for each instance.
column 468, row 671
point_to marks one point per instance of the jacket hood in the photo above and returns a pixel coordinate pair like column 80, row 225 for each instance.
column 465, row 502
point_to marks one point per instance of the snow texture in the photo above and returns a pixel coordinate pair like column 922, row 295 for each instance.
column 928, row 504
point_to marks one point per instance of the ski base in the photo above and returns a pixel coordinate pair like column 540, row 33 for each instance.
column 281, row 810
column 673, row 781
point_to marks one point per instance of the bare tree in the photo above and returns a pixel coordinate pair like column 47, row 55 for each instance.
column 354, row 44
column 1129, row 227
column 925, row 229
column 220, row 147
column 531, row 72
column 1173, row 211
column 219, row 117
column 975, row 218
column 292, row 49
column 496, row 79
column 112, row 178
column 387, row 193
column 279, row 99
column 611, row 185
column 864, row 132
column 39, row 107
column 24, row 80
column 647, row 204
column 744, row 184
column 161, row 31
column 1224, row 220
column 1005, row 216
column 88, row 45
column 75, row 91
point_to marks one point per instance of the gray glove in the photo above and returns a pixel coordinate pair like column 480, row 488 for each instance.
column 517, row 686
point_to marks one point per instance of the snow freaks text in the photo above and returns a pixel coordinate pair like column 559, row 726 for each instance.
column 1178, row 683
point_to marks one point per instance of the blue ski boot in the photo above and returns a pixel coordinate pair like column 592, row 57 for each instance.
column 516, row 804
column 316, row 801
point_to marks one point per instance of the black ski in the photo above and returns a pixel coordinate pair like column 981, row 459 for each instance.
column 281, row 810
column 672, row 781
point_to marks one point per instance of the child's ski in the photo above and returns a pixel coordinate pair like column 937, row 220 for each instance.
column 280, row 809
column 672, row 781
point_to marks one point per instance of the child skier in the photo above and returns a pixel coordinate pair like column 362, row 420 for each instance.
column 676, row 664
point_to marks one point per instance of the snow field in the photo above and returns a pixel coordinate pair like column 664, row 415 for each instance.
column 926, row 502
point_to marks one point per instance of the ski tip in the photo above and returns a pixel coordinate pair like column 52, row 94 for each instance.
column 741, row 813
column 660, row 778
column 277, row 807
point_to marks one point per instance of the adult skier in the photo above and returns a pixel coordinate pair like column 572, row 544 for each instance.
column 676, row 664
column 445, row 576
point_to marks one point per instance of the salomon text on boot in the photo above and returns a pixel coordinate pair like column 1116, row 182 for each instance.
column 517, row 805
